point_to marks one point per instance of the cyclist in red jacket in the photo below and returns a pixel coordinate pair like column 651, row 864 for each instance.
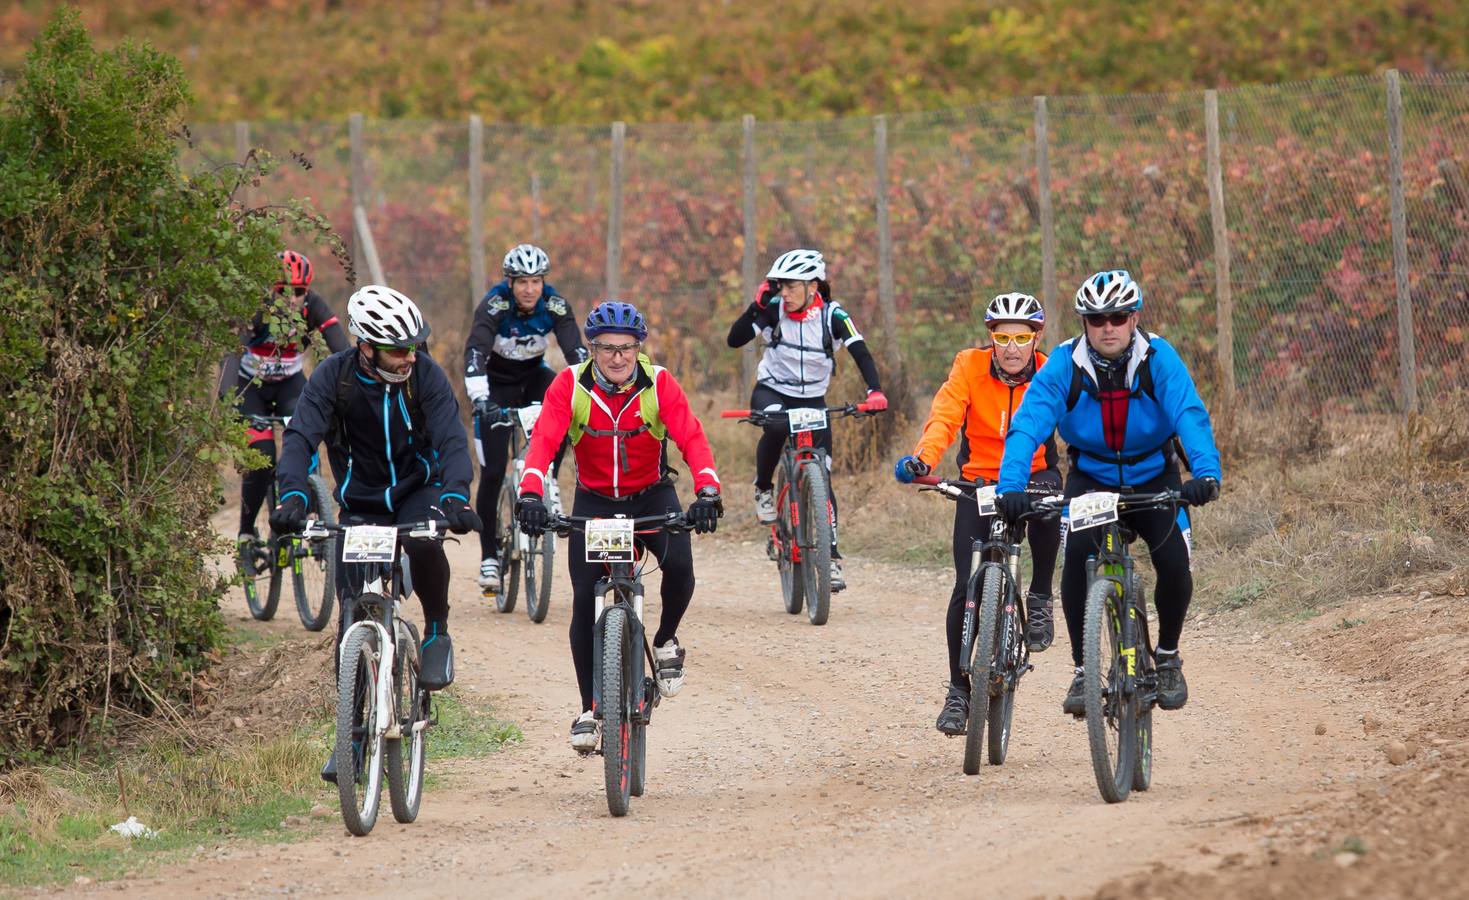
column 618, row 410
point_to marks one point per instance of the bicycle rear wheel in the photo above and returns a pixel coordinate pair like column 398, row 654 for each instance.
column 405, row 755
column 814, row 528
column 1002, row 704
column 1111, row 717
column 988, row 581
column 509, row 551
column 314, row 563
column 639, row 748
column 1142, row 770
column 359, row 747
column 783, row 533
column 537, row 566
column 616, row 711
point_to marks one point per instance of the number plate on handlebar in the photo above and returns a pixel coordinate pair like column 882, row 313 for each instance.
column 985, row 497
column 369, row 543
column 528, row 416
column 803, row 420
column 1091, row 510
column 609, row 540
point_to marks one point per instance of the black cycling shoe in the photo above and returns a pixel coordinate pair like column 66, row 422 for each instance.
column 1172, row 689
column 954, row 720
column 329, row 771
column 1075, row 702
column 1040, row 624
column 437, row 670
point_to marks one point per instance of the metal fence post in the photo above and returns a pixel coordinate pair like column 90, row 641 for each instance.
column 1048, row 224
column 359, row 187
column 1223, row 298
column 476, row 211
column 748, row 268
column 1407, row 357
column 886, row 293
column 242, row 150
column 614, row 211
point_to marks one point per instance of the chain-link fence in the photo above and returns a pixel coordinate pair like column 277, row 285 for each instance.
column 974, row 204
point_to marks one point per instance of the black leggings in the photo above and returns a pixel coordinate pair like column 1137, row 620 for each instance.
column 495, row 444
column 675, row 556
column 969, row 526
column 1167, row 536
column 270, row 398
column 773, row 441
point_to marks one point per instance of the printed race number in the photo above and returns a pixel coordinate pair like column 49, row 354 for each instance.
column 1091, row 510
column 985, row 497
column 609, row 540
column 803, row 420
column 369, row 543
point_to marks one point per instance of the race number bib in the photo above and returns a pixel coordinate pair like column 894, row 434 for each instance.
column 369, row 543
column 985, row 497
column 806, row 420
column 1091, row 510
column 609, row 540
column 528, row 416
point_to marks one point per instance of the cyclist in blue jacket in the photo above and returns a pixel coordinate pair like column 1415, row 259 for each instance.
column 1118, row 396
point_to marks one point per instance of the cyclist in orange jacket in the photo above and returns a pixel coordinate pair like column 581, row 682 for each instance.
column 984, row 389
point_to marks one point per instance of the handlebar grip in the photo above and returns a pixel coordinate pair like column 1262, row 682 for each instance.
column 734, row 414
column 929, row 479
column 862, row 407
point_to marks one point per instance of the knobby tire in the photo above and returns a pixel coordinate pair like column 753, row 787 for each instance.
column 405, row 755
column 509, row 555
column 359, row 785
column 1111, row 719
column 792, row 585
column 616, row 721
column 314, row 577
column 989, row 583
column 815, row 532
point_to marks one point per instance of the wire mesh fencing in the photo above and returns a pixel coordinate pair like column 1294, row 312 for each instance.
column 974, row 205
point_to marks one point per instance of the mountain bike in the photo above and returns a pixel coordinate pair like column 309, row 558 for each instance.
column 992, row 649
column 522, row 556
column 624, row 695
column 1120, row 678
column 801, row 535
column 382, row 722
column 312, row 562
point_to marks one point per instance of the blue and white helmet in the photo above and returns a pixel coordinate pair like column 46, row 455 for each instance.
column 1106, row 292
column 1015, row 307
column 525, row 260
column 798, row 265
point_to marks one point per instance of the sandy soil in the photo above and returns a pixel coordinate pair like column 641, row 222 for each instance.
column 803, row 760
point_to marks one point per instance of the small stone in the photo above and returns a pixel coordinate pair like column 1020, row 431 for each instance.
column 1397, row 753
column 239, row 723
column 81, row 879
column 1412, row 747
column 1424, row 595
column 1370, row 723
column 1320, row 727
column 1345, row 858
column 320, row 811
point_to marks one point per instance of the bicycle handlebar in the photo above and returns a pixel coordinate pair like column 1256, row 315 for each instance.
column 957, row 489
column 764, row 416
column 669, row 521
column 263, row 422
column 434, row 529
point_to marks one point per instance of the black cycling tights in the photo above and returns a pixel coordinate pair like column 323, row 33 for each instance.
column 773, row 442
column 271, row 398
column 676, row 561
column 1164, row 533
column 1044, row 539
column 496, row 448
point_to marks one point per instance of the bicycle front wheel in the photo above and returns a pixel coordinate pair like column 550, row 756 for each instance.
column 1111, row 715
column 537, row 566
column 814, row 528
column 314, row 563
column 783, row 536
column 509, row 550
column 981, row 670
column 359, row 747
column 616, row 711
column 405, row 754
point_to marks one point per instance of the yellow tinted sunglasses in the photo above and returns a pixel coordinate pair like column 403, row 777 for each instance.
column 1022, row 339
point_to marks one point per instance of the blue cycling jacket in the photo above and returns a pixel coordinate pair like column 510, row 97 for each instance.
column 1173, row 408
column 506, row 345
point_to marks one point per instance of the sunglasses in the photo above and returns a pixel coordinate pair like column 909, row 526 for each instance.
column 393, row 351
column 783, row 285
column 298, row 291
column 616, row 349
column 1023, row 339
column 1116, row 319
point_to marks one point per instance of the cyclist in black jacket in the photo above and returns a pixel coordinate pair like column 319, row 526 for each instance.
column 397, row 450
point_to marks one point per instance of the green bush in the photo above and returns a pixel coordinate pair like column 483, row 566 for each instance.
column 124, row 282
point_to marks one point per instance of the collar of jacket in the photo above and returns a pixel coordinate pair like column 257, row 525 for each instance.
column 815, row 304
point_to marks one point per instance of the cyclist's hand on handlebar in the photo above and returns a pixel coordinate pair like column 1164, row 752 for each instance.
column 1198, row 491
column 289, row 516
column 704, row 512
column 877, row 401
column 909, row 468
column 532, row 515
column 461, row 519
column 1013, row 505
column 487, row 409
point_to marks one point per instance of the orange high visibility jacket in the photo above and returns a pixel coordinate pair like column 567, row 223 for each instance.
column 983, row 405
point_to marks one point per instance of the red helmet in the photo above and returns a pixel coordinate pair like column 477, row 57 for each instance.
column 298, row 269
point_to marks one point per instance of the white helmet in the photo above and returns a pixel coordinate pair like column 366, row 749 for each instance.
column 1106, row 292
column 381, row 315
column 1016, row 307
column 525, row 260
column 798, row 265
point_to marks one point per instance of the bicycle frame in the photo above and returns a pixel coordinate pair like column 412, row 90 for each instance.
column 519, row 443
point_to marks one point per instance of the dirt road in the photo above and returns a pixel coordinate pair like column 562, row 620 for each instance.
column 804, row 760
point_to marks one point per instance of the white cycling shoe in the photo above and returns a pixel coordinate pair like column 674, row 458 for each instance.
column 489, row 574
column 669, row 660
column 586, row 733
column 765, row 506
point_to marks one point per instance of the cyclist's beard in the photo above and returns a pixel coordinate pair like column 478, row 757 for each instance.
column 388, row 375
